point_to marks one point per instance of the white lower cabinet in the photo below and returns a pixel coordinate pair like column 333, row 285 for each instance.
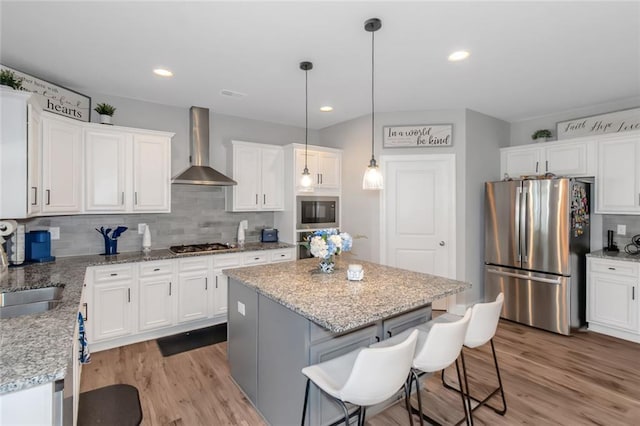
column 129, row 303
column 156, row 305
column 113, row 295
column 612, row 298
column 193, row 288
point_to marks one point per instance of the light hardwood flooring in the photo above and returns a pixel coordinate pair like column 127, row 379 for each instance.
column 549, row 379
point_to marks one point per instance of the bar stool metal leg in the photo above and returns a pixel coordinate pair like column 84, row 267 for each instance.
column 306, row 399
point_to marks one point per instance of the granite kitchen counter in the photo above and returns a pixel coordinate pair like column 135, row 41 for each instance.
column 35, row 349
column 339, row 305
column 621, row 255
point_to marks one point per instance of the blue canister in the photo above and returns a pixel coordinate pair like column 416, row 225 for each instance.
column 38, row 246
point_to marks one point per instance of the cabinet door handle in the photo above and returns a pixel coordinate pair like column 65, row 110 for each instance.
column 633, row 293
column 114, row 274
column 256, row 199
column 169, row 288
column 206, row 283
column 639, row 198
column 129, row 295
column 321, row 178
column 35, row 195
column 156, row 269
column 48, row 196
column 377, row 338
column 612, row 269
column 546, row 166
column 389, row 333
column 264, row 198
column 86, row 312
column 122, row 202
column 536, row 167
column 216, row 281
column 135, row 198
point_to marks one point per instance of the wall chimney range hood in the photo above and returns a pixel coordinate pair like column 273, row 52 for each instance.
column 199, row 173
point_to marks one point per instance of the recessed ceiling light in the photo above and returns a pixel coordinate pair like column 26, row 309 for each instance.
column 326, row 108
column 162, row 72
column 459, row 55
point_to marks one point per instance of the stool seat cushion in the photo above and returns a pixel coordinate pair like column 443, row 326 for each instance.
column 331, row 375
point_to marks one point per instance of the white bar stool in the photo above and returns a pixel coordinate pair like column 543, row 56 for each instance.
column 482, row 328
column 436, row 350
column 363, row 377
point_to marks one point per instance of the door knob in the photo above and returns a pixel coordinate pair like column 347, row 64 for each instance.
column 441, row 243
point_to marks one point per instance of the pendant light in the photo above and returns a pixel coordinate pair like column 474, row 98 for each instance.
column 306, row 183
column 372, row 177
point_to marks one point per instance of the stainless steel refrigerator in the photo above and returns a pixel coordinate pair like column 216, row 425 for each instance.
column 536, row 238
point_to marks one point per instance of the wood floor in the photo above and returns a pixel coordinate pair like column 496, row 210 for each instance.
column 549, row 379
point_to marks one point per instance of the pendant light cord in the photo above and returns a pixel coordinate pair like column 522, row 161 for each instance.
column 306, row 115
column 373, row 158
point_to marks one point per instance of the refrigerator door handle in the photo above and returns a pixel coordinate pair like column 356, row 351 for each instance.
column 518, row 201
column 526, row 227
column 556, row 281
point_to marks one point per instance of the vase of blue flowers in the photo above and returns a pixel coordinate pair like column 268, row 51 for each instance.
column 326, row 244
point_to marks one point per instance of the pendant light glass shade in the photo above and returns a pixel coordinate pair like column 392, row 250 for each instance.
column 372, row 179
column 306, row 183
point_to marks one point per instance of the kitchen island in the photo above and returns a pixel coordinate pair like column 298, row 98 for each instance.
column 283, row 317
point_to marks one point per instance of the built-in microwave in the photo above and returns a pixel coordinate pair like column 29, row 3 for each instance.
column 316, row 212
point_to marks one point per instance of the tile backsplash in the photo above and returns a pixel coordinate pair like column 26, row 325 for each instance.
column 611, row 222
column 197, row 216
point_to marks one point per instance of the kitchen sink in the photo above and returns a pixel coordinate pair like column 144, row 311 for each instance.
column 32, row 301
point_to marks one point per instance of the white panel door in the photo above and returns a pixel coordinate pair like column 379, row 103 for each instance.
column 105, row 170
column 516, row 162
column 418, row 214
column 156, row 302
column 34, row 163
column 618, row 177
column 329, row 169
column 612, row 301
column 61, row 166
column 246, row 171
column 220, row 295
column 151, row 173
column 111, row 313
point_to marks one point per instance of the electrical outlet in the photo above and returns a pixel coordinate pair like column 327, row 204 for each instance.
column 622, row 229
column 241, row 308
column 141, row 228
column 55, row 233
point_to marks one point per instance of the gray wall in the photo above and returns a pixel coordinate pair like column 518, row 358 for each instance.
column 485, row 136
column 521, row 131
column 198, row 213
column 612, row 221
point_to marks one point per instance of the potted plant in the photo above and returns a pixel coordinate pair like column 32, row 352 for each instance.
column 8, row 78
column 541, row 135
column 105, row 111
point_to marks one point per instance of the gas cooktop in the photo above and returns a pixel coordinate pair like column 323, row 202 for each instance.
column 199, row 248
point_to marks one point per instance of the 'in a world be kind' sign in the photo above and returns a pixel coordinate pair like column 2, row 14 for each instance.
column 428, row 135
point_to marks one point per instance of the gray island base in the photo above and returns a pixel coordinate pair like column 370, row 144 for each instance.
column 285, row 316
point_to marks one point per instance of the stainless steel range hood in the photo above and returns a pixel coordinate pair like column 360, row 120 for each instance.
column 199, row 173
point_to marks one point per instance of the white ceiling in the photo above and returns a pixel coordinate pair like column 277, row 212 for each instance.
column 527, row 58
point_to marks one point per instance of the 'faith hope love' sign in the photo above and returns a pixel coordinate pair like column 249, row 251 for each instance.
column 613, row 122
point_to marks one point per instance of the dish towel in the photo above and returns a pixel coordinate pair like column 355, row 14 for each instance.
column 84, row 356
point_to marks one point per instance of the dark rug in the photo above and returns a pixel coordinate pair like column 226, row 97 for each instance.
column 194, row 339
column 110, row 406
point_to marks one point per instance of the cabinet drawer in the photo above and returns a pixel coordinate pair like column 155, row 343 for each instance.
column 281, row 255
column 226, row 260
column 255, row 258
column 614, row 267
column 194, row 263
column 397, row 325
column 156, row 268
column 112, row 273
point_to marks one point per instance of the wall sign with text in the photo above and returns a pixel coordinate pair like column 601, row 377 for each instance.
column 54, row 98
column 612, row 122
column 426, row 135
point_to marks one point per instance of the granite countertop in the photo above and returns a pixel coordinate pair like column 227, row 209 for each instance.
column 339, row 305
column 35, row 349
column 621, row 255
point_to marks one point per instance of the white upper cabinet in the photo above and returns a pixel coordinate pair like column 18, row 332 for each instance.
column 558, row 157
column 259, row 171
column 618, row 177
column 151, row 173
column 105, row 170
column 324, row 168
column 127, row 171
column 61, row 166
column 20, row 151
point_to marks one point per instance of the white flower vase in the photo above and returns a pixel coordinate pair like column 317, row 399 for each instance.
column 105, row 119
column 327, row 265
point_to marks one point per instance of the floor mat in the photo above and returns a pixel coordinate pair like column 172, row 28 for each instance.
column 194, row 339
column 110, row 405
